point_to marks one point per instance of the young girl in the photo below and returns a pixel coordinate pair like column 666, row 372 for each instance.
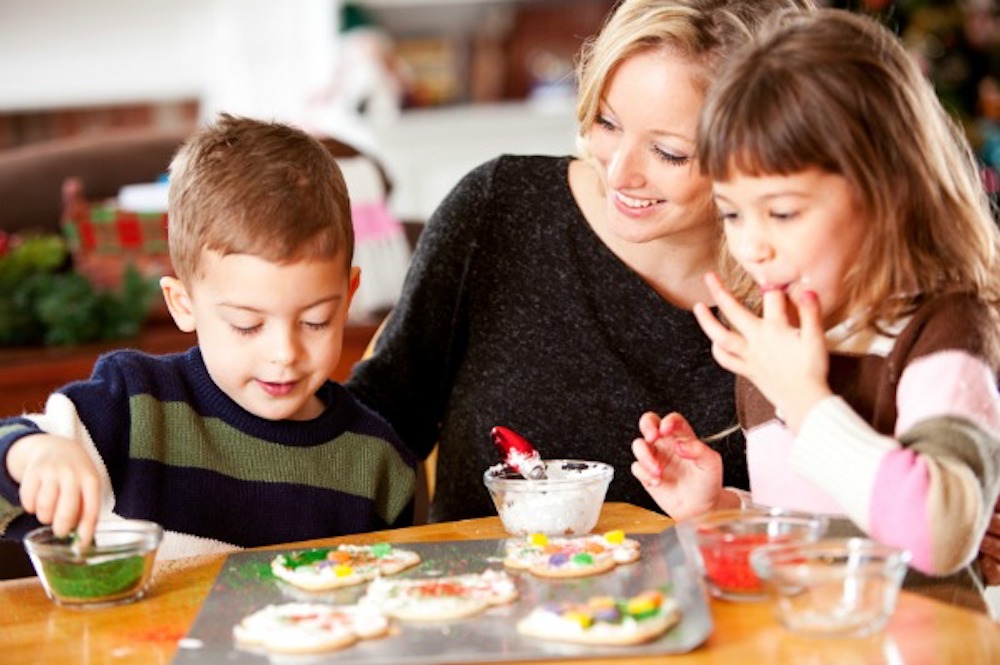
column 862, row 311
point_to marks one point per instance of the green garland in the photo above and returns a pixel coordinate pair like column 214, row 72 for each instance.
column 43, row 303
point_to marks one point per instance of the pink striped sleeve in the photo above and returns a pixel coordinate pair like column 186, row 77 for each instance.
column 898, row 511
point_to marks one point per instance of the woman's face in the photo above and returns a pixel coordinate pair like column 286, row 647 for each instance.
column 644, row 142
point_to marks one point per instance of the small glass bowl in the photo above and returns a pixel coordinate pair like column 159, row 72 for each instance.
column 724, row 539
column 835, row 587
column 567, row 502
column 116, row 568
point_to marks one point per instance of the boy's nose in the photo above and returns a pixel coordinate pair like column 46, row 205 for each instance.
column 283, row 347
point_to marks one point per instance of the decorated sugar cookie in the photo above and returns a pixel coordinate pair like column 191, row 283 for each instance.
column 306, row 628
column 326, row 568
column 603, row 620
column 440, row 598
column 574, row 556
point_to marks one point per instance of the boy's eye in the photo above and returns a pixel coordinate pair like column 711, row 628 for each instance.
column 245, row 330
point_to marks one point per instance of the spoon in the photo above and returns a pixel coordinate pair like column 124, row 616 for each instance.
column 518, row 454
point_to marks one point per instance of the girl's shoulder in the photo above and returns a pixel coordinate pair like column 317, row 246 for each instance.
column 957, row 322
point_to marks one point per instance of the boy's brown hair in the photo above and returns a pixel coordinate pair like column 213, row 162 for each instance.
column 244, row 186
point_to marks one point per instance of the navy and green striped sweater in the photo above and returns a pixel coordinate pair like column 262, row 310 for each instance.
column 173, row 448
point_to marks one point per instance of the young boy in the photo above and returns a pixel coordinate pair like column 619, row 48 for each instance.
column 243, row 440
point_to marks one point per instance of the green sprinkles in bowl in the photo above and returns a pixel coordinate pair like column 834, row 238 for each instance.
column 95, row 580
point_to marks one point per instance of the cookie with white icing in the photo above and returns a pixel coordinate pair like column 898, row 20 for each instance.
column 444, row 598
column 603, row 620
column 324, row 568
column 308, row 628
column 572, row 556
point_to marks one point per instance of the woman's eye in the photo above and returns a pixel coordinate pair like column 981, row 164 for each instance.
column 671, row 158
column 604, row 123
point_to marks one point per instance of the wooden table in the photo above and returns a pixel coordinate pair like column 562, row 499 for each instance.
column 34, row 630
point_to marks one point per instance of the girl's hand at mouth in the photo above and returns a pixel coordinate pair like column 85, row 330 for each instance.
column 788, row 364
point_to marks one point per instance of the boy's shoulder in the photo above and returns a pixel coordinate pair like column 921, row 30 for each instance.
column 363, row 420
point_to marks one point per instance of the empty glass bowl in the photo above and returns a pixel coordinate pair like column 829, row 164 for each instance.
column 567, row 502
column 723, row 540
column 116, row 568
column 836, row 587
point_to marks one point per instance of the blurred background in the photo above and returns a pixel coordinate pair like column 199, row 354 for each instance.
column 430, row 86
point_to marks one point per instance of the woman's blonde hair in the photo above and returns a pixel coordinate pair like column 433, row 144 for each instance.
column 703, row 32
column 837, row 91
column 244, row 186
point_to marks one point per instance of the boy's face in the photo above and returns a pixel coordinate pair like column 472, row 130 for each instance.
column 270, row 334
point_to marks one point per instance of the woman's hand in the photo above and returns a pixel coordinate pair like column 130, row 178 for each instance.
column 680, row 472
column 788, row 364
column 59, row 483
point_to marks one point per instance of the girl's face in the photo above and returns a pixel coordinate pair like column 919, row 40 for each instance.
column 794, row 233
column 644, row 141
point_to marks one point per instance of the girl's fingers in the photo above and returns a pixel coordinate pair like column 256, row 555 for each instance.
column 710, row 325
column 649, row 424
column 643, row 476
column 737, row 315
column 775, row 306
column 810, row 316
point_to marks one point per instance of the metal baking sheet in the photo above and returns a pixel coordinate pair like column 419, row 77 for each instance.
column 242, row 588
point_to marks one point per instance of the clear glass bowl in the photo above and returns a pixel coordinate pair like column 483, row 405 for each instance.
column 721, row 543
column 117, row 568
column 835, row 587
column 566, row 503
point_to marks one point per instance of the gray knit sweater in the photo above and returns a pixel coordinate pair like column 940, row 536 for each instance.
column 515, row 313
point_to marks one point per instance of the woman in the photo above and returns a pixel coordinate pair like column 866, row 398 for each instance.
column 552, row 295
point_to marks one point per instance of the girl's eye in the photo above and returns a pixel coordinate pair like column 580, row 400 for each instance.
column 727, row 217
column 671, row 158
column 784, row 216
column 321, row 325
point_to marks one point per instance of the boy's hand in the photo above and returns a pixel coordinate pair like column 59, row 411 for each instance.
column 59, row 483
column 680, row 472
column 788, row 364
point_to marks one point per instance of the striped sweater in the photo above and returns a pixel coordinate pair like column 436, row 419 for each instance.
column 173, row 448
column 908, row 449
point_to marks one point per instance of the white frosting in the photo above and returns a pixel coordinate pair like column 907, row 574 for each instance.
column 301, row 627
column 566, row 502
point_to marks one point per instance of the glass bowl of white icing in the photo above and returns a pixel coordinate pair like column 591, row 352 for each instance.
column 567, row 502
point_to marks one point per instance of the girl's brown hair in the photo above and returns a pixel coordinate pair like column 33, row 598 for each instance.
column 837, row 91
column 243, row 186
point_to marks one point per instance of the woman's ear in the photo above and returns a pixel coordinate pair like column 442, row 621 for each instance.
column 175, row 294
